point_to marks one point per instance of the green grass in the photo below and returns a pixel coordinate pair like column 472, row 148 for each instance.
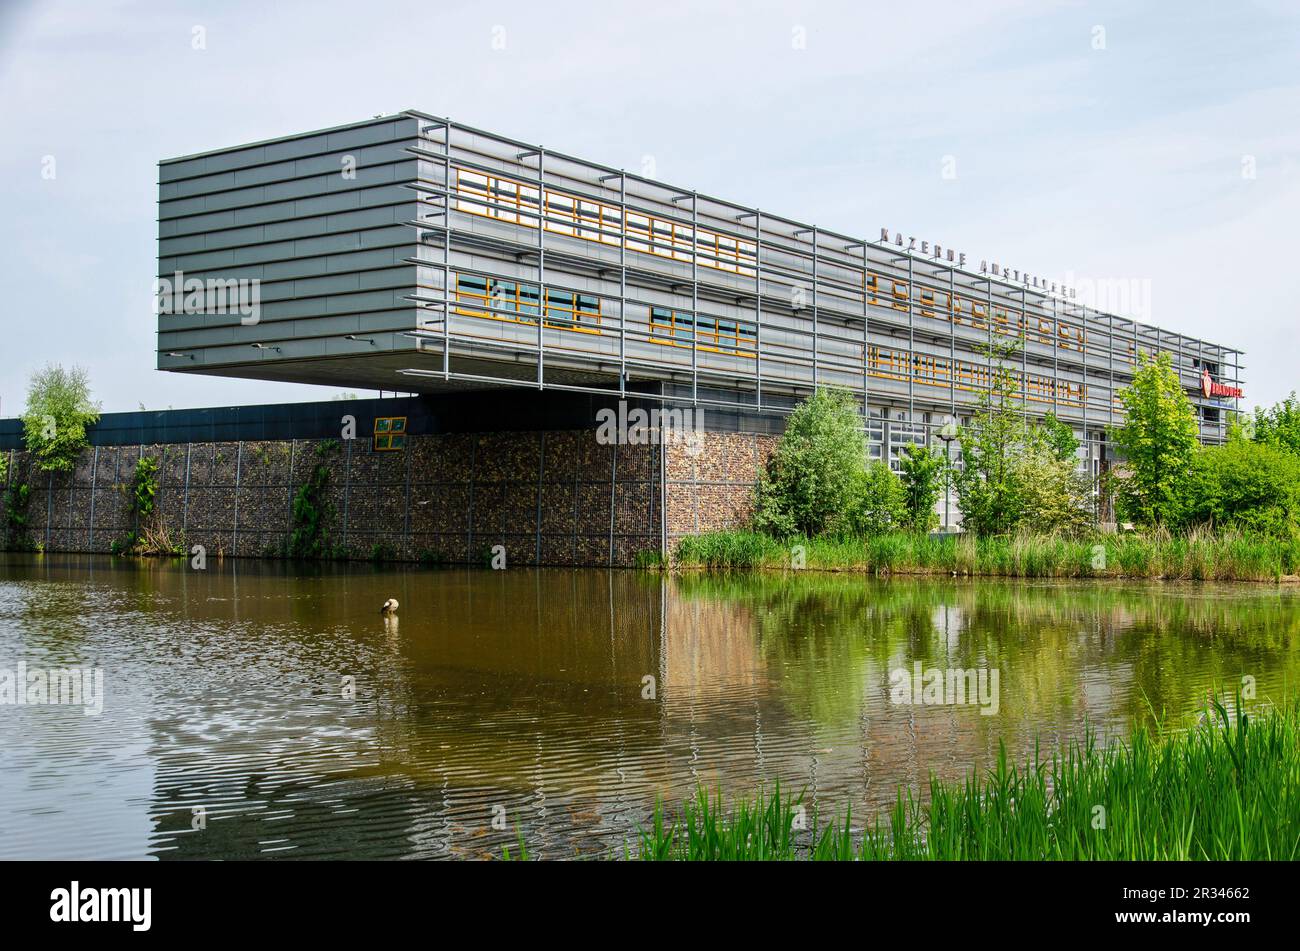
column 1199, row 556
column 1229, row 789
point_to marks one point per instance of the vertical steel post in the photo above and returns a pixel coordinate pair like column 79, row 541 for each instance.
column 541, row 267
column 446, row 250
column 1056, row 358
column 816, row 330
column 952, row 343
column 695, row 299
column 758, row 309
column 94, row 471
column 622, row 281
column 911, row 347
column 866, row 340
column 1024, row 354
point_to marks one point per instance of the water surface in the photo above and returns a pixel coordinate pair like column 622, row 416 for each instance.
column 523, row 694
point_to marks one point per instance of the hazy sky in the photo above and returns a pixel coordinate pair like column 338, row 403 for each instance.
column 1150, row 146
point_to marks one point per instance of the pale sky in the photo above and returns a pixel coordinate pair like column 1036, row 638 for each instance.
column 1150, row 144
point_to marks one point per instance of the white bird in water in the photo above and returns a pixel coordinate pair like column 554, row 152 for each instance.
column 390, row 607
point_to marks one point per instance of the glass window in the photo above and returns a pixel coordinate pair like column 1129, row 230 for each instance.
column 390, row 433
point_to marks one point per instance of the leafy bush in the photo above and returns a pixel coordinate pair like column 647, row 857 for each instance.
column 877, row 502
column 1279, row 425
column 987, row 490
column 381, row 552
column 58, row 411
column 1059, row 437
column 1054, row 497
column 1249, row 485
column 312, row 513
column 922, row 479
column 145, row 537
column 810, row 481
column 16, row 498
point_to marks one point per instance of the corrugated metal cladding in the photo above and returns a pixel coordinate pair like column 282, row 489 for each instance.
column 319, row 220
column 546, row 271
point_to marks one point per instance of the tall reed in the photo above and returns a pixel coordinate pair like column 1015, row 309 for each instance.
column 1197, row 556
column 1227, row 789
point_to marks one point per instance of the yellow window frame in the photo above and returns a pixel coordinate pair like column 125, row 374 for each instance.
column 390, row 433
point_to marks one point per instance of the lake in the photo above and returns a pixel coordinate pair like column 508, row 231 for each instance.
column 259, row 709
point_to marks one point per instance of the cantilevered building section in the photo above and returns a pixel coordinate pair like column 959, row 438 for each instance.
column 413, row 253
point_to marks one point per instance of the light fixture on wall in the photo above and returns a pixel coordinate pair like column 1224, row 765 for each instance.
column 173, row 353
column 262, row 346
column 369, row 340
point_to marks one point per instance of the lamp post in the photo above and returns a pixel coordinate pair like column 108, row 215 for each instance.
column 948, row 432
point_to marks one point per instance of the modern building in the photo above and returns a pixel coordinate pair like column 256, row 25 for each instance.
column 413, row 253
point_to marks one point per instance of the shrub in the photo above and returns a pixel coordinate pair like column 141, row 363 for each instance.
column 16, row 498
column 1059, row 437
column 989, row 496
column 810, row 481
column 1054, row 496
column 58, row 411
column 147, row 536
column 877, row 502
column 922, row 479
column 1279, row 425
column 312, row 513
column 1248, row 485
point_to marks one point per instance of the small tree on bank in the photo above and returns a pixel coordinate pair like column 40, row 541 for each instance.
column 989, row 495
column 1158, row 440
column 878, row 505
column 817, row 471
column 58, row 411
column 921, row 470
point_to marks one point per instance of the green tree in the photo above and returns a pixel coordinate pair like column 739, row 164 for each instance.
column 878, row 502
column 1060, row 438
column 989, row 495
column 810, row 481
column 921, row 470
column 1054, row 496
column 1158, row 440
column 1247, row 485
column 58, row 411
column 1279, row 425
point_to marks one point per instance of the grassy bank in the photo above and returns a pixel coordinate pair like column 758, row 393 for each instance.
column 1199, row 556
column 1229, row 789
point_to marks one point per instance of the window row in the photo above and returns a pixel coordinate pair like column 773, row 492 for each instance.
column 902, row 366
column 974, row 313
column 516, row 302
column 503, row 199
column 715, row 334
column 515, row 202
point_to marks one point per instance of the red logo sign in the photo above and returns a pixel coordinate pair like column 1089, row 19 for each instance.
column 1211, row 388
